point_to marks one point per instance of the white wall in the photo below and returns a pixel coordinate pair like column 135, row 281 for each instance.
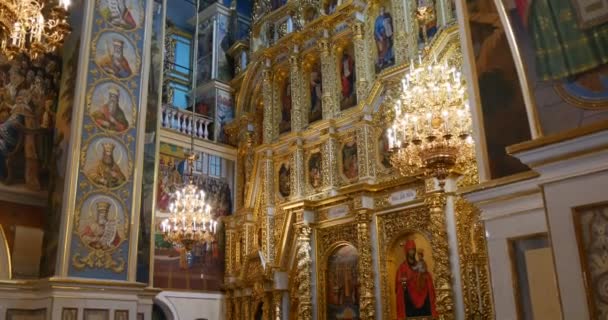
column 191, row 305
column 561, row 198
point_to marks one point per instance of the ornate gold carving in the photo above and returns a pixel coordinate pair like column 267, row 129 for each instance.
column 366, row 152
column 439, row 241
column 362, row 60
column 277, row 304
column 304, row 273
column 329, row 70
column 474, row 264
column 299, row 117
column 269, row 114
column 367, row 307
column 298, row 188
column 330, row 162
column 391, row 227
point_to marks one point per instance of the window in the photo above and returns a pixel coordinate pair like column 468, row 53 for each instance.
column 215, row 166
column 199, row 162
column 180, row 95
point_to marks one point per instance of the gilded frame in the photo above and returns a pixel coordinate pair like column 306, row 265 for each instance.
column 310, row 189
column 329, row 239
column 348, row 137
column 391, row 226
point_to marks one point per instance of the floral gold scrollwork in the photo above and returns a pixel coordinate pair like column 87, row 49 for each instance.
column 439, row 240
column 367, row 308
column 99, row 259
column 299, row 118
column 330, row 163
column 304, row 273
column 362, row 58
column 269, row 114
column 473, row 261
column 366, row 151
column 329, row 69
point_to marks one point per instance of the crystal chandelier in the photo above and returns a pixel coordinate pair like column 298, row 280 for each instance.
column 190, row 220
column 28, row 27
column 430, row 133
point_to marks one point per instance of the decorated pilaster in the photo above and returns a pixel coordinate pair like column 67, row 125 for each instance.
column 230, row 254
column 277, row 304
column 238, row 308
column 444, row 12
column 366, row 151
column 268, row 245
column 367, row 295
column 304, row 271
column 331, row 178
column 270, row 126
column 436, row 201
column 405, row 38
column 101, row 207
column 299, row 116
column 362, row 57
column 331, row 102
column 298, row 189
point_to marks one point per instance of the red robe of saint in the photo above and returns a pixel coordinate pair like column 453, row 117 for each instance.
column 419, row 287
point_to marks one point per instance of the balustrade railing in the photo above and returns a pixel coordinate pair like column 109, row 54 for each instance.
column 185, row 122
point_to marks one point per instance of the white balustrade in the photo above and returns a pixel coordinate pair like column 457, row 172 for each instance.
column 185, row 122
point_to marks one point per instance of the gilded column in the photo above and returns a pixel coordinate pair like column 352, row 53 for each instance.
column 237, row 308
column 277, row 304
column 444, row 12
column 366, row 278
column 249, row 233
column 329, row 71
column 297, row 171
column 269, row 123
column 412, row 27
column 299, row 117
column 229, row 305
column 246, row 314
column 362, row 60
column 229, row 254
column 366, row 151
column 436, row 201
column 403, row 29
column 304, row 271
column 330, row 161
column 268, row 244
column 267, row 311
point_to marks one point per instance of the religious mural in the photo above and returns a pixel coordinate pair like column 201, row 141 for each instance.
column 564, row 58
column 284, row 177
column 124, row 14
column 116, row 55
column 28, row 105
column 224, row 114
column 348, row 97
column 384, row 36
column 113, row 90
column 173, row 268
column 342, row 285
column 107, row 162
column 314, row 170
column 285, row 124
column 224, row 65
column 499, row 89
column 112, row 107
column 412, row 266
column 316, row 94
column 427, row 21
column 350, row 163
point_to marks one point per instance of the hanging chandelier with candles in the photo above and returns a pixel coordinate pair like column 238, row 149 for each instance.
column 190, row 220
column 32, row 27
column 431, row 129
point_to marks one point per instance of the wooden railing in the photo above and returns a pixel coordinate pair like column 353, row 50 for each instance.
column 185, row 122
